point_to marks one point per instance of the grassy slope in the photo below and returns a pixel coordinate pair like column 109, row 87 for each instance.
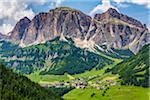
column 95, row 72
column 135, row 70
column 17, row 87
column 113, row 93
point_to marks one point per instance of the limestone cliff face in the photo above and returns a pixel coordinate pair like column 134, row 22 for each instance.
column 111, row 28
column 65, row 21
column 119, row 31
column 17, row 33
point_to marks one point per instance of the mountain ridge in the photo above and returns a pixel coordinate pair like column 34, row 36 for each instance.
column 111, row 28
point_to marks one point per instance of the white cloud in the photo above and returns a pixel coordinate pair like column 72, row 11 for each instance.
column 11, row 12
column 138, row 2
column 59, row 2
column 106, row 4
column 5, row 28
column 56, row 3
column 118, row 1
column 39, row 2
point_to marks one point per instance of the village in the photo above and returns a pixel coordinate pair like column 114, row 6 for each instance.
column 81, row 83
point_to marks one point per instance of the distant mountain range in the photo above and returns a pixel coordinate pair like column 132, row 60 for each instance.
column 111, row 28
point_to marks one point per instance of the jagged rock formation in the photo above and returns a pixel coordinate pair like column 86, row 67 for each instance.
column 110, row 28
column 46, row 26
column 17, row 33
column 119, row 31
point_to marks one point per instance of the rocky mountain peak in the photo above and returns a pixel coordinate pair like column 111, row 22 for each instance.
column 114, row 14
column 22, row 22
column 18, row 31
column 62, row 20
column 110, row 13
column 64, row 9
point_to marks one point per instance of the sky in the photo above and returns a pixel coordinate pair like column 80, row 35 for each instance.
column 11, row 11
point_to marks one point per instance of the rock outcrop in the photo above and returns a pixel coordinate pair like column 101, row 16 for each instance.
column 111, row 28
column 19, row 30
column 65, row 21
column 118, row 31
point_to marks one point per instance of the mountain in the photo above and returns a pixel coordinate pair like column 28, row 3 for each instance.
column 17, row 33
column 60, row 21
column 52, row 57
column 17, row 87
column 119, row 31
column 111, row 28
column 135, row 70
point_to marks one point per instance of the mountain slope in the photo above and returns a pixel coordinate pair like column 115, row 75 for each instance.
column 17, row 87
column 113, row 29
column 118, row 31
column 53, row 57
column 17, row 33
column 48, row 25
column 135, row 70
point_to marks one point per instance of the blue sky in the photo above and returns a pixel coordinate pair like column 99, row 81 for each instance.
column 138, row 9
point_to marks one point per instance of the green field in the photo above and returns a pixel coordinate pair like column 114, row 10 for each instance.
column 35, row 77
column 113, row 93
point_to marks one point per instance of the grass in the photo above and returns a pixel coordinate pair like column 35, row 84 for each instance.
column 107, row 76
column 95, row 72
column 113, row 93
column 108, row 57
column 47, row 78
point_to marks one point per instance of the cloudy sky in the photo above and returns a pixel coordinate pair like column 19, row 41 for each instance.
column 13, row 10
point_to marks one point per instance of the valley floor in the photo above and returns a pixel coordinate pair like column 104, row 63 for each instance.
column 113, row 93
column 93, row 85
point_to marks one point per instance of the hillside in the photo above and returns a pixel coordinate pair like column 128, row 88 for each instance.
column 135, row 70
column 17, row 87
column 52, row 57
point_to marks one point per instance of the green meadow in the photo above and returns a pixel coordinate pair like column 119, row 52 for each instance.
column 113, row 93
